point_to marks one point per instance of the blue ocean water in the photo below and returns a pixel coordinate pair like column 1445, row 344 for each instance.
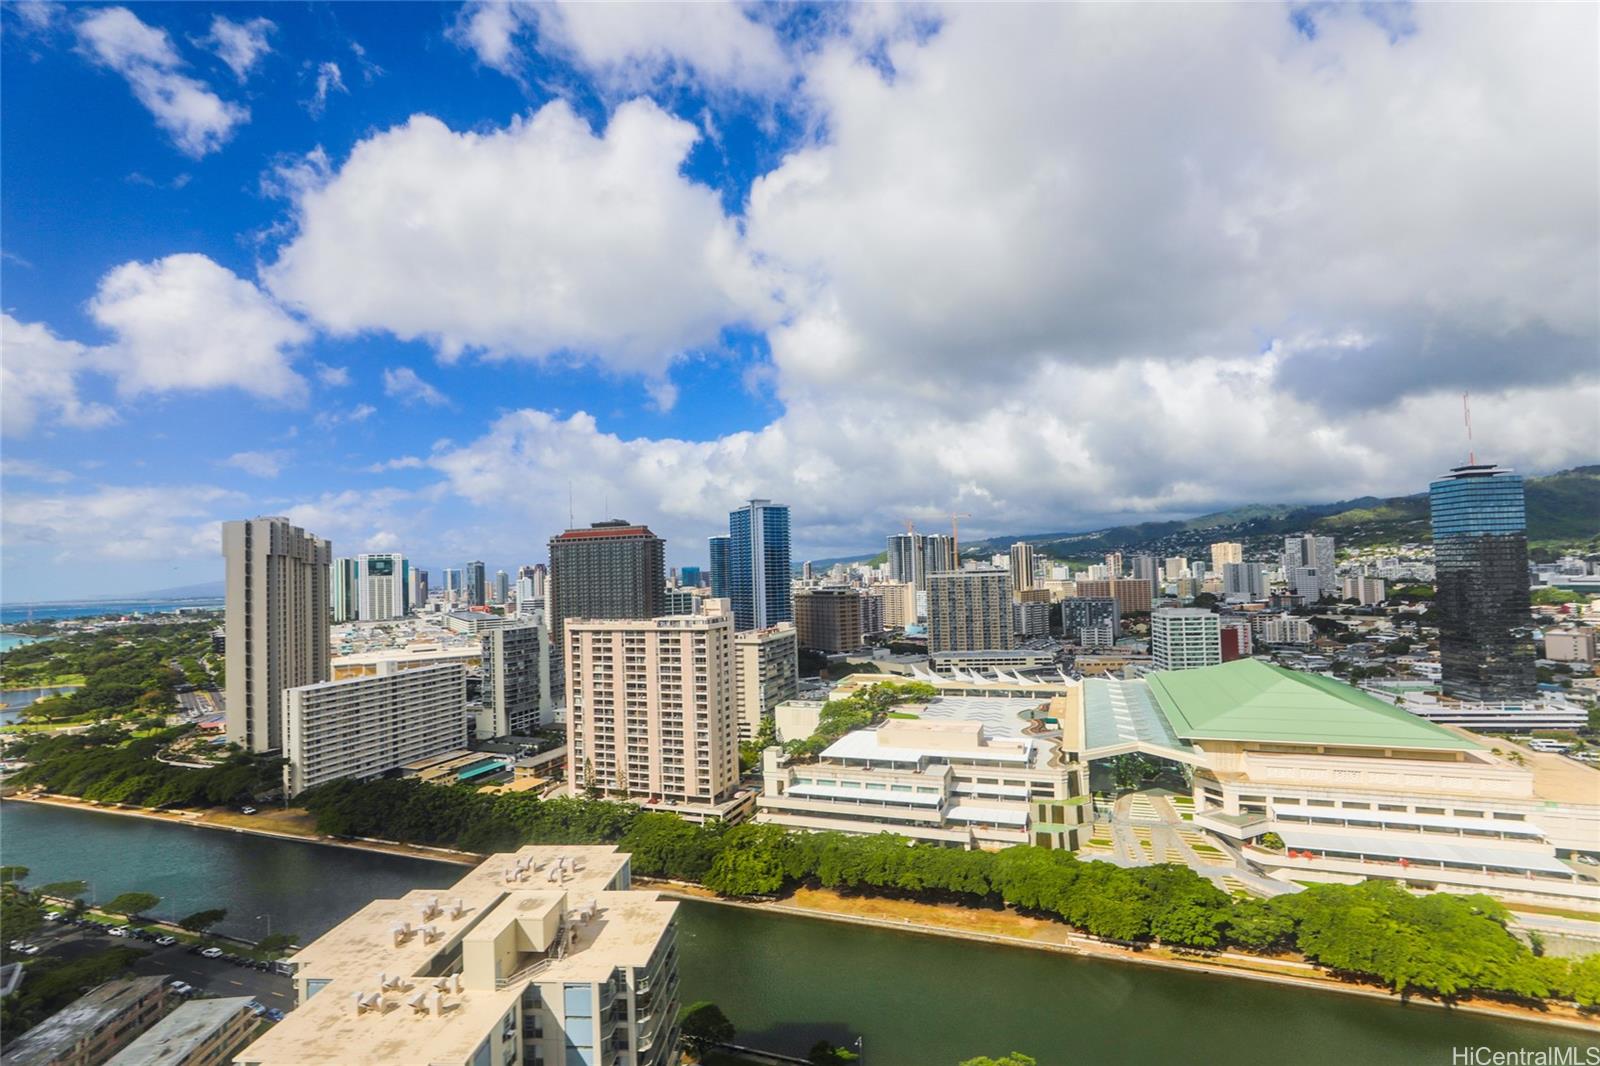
column 13, row 613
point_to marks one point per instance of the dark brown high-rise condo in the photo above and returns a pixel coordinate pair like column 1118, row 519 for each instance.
column 612, row 569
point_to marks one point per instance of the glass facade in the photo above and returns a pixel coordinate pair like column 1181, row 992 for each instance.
column 1481, row 558
column 719, row 567
column 759, row 568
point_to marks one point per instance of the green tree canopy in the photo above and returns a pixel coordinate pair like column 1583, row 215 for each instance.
column 131, row 904
column 1016, row 1058
column 12, row 874
column 277, row 943
column 200, row 921
column 63, row 889
column 704, row 1026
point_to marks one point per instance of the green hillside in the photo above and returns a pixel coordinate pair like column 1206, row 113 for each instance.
column 1563, row 513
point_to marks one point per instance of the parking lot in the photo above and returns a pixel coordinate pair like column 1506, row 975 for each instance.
column 213, row 977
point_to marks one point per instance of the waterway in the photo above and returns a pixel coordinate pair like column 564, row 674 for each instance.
column 787, row 982
column 12, row 703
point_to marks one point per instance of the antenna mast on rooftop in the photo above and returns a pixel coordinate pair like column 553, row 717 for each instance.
column 1466, row 415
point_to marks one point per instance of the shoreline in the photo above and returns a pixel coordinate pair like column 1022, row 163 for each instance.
column 197, row 820
column 1072, row 943
column 1087, row 947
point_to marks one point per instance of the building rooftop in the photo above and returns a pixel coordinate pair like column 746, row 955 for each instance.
column 81, row 1018
column 551, row 907
column 1250, row 700
column 177, row 1036
column 907, row 741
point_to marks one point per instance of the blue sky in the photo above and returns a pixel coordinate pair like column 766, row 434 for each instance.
column 407, row 271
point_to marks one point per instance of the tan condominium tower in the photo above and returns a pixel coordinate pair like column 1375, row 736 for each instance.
column 275, row 623
column 766, row 672
column 969, row 610
column 1224, row 552
column 1022, row 556
column 650, row 709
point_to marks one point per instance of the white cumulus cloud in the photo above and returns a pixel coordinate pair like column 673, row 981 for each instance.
column 185, row 322
column 405, row 385
column 541, row 238
column 198, row 120
column 39, row 374
column 241, row 45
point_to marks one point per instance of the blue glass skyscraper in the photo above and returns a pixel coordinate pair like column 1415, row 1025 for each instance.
column 1480, row 549
column 759, row 570
column 719, row 567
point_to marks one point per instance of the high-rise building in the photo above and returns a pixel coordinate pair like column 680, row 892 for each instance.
column 502, row 587
column 969, row 610
column 1091, row 621
column 899, row 600
column 1182, row 638
column 759, row 572
column 689, row 577
column 1244, row 581
column 516, row 679
column 1364, row 590
column 1131, row 593
column 1146, row 568
column 473, row 578
column 766, row 672
column 363, row 727
column 452, row 587
column 383, row 588
column 938, row 555
column 1030, row 618
column 906, row 559
column 718, row 547
column 275, row 622
column 650, row 708
column 1175, row 567
column 1113, row 564
column 1225, row 552
column 1308, row 566
column 680, row 601
column 344, row 581
column 610, row 570
column 828, row 619
column 1021, row 566
column 807, row 572
column 538, row 957
column 1481, row 598
column 419, row 588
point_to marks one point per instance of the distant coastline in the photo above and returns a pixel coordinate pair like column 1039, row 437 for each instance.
column 17, row 613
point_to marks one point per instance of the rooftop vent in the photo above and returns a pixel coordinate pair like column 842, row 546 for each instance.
column 419, row 1002
column 458, row 908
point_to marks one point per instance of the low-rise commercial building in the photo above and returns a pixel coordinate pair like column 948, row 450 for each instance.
column 969, row 772
column 93, row 1027
column 201, row 1032
column 1570, row 645
column 540, row 957
column 367, row 726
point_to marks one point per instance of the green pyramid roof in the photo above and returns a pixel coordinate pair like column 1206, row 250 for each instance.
column 1253, row 700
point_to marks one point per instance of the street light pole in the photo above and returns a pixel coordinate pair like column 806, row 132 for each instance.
column 268, row 917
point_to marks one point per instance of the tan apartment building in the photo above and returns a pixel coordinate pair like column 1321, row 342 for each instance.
column 899, row 600
column 275, row 619
column 1132, row 594
column 766, row 672
column 828, row 619
column 93, row 1027
column 202, row 1032
column 650, row 710
column 540, row 957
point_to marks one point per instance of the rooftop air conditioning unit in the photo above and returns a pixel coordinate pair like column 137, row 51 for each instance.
column 418, row 1002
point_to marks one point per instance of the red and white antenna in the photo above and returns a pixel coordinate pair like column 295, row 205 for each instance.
column 1466, row 415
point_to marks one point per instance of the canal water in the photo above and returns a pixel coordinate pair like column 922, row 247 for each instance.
column 12, row 703
column 787, row 982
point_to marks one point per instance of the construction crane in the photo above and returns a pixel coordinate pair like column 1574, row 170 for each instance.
column 955, row 537
column 911, row 526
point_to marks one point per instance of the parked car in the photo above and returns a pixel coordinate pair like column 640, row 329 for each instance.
column 212, row 953
column 183, row 988
column 166, row 941
column 247, row 810
column 275, row 1014
column 118, row 930
column 1589, row 860
column 257, row 1009
column 54, row 916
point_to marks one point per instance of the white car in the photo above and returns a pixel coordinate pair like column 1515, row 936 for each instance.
column 183, row 988
column 117, row 930
column 166, row 941
column 212, row 953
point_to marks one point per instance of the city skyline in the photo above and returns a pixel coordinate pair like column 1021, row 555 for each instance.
column 187, row 338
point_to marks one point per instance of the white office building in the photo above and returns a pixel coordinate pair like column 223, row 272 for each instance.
column 363, row 727
column 1183, row 638
column 382, row 587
